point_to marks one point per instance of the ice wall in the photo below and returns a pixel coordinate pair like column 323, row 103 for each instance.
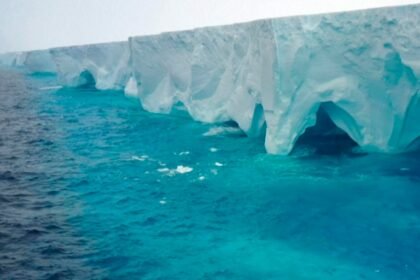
column 7, row 59
column 106, row 63
column 39, row 61
column 362, row 66
column 268, row 76
column 219, row 73
column 365, row 65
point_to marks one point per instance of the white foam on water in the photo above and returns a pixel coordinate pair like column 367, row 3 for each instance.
column 140, row 158
column 183, row 153
column 50, row 87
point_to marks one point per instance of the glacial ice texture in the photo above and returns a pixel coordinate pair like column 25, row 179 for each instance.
column 271, row 77
column 106, row 65
column 362, row 67
column 39, row 61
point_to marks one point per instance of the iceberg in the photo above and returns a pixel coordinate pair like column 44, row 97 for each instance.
column 271, row 77
column 361, row 67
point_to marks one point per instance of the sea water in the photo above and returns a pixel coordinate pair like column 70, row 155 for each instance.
column 93, row 187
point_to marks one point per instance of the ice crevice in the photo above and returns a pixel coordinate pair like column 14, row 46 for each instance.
column 269, row 76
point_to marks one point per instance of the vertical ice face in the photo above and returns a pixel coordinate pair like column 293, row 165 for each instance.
column 219, row 73
column 7, row 59
column 106, row 65
column 13, row 59
column 39, row 61
column 364, row 65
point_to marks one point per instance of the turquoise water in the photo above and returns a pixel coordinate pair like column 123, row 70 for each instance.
column 93, row 187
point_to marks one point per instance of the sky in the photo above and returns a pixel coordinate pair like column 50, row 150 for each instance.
column 40, row 24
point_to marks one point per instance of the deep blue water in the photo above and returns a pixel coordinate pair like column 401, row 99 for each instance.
column 89, row 189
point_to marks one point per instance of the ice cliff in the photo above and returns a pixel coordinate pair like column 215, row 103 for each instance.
column 105, row 65
column 39, row 61
column 362, row 67
column 273, row 75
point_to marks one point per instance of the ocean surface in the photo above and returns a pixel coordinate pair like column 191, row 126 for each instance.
column 93, row 187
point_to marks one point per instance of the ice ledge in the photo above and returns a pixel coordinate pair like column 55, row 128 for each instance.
column 362, row 67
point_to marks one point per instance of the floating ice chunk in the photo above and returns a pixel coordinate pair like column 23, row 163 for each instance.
column 180, row 169
column 201, row 178
column 163, row 170
column 213, row 150
column 221, row 130
column 183, row 169
column 162, row 201
column 218, row 164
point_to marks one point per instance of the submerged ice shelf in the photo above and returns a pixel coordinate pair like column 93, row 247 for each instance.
column 268, row 76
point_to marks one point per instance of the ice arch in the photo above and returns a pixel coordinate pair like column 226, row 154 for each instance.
column 324, row 136
column 86, row 80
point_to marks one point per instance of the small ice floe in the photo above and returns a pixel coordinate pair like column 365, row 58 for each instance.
column 184, row 153
column 218, row 164
column 162, row 201
column 201, row 178
column 140, row 158
column 183, row 169
column 220, row 130
column 404, row 169
column 180, row 169
column 213, row 149
column 50, row 87
column 163, row 170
